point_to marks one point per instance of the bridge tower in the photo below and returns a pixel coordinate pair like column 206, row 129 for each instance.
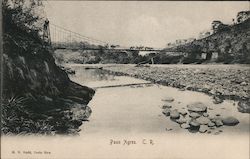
column 46, row 33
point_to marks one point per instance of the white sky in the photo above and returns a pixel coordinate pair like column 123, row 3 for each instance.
column 146, row 23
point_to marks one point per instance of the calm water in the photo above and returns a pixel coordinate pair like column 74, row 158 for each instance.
column 134, row 114
column 137, row 109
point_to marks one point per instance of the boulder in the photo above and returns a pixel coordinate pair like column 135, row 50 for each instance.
column 211, row 124
column 197, row 107
column 174, row 114
column 244, row 107
column 218, row 123
column 194, row 126
column 203, row 120
column 181, row 120
column 185, row 126
column 205, row 114
column 78, row 93
column 230, row 121
column 182, row 112
column 217, row 100
column 203, row 129
column 194, row 115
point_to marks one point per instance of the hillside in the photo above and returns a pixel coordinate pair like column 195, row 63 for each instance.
column 230, row 44
column 38, row 97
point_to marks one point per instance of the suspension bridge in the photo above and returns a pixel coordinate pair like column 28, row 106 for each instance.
column 62, row 38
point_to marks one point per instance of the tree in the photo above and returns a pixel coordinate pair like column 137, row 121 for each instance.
column 23, row 14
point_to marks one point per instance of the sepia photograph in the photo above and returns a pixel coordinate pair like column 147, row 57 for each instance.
column 125, row 79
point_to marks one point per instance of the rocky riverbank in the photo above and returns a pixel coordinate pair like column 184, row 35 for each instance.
column 195, row 117
column 220, row 81
column 38, row 96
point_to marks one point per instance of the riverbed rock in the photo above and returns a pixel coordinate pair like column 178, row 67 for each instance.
column 217, row 100
column 174, row 114
column 194, row 125
column 166, row 106
column 166, row 112
column 182, row 112
column 244, row 106
column 185, row 126
column 168, row 99
column 230, row 121
column 205, row 114
column 203, row 120
column 218, row 123
column 197, row 107
column 181, row 120
column 203, row 129
column 211, row 124
column 194, row 115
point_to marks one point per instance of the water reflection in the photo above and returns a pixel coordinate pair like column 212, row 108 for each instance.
column 98, row 78
column 91, row 74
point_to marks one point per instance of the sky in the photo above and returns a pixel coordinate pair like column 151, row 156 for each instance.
column 135, row 23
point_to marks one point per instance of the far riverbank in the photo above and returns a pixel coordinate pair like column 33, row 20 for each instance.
column 220, row 81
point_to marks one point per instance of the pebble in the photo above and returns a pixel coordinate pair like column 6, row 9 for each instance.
column 217, row 133
column 169, row 129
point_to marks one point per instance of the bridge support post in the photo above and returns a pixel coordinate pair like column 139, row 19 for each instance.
column 152, row 61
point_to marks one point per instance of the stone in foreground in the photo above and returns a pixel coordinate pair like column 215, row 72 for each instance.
column 194, row 115
column 174, row 114
column 230, row 121
column 185, row 126
column 166, row 106
column 203, row 120
column 166, row 112
column 197, row 107
column 194, row 125
column 244, row 107
column 168, row 99
column 203, row 129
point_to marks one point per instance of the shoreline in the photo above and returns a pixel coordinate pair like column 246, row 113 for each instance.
column 220, row 83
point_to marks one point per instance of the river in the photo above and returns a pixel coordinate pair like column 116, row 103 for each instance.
column 137, row 109
column 127, row 122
